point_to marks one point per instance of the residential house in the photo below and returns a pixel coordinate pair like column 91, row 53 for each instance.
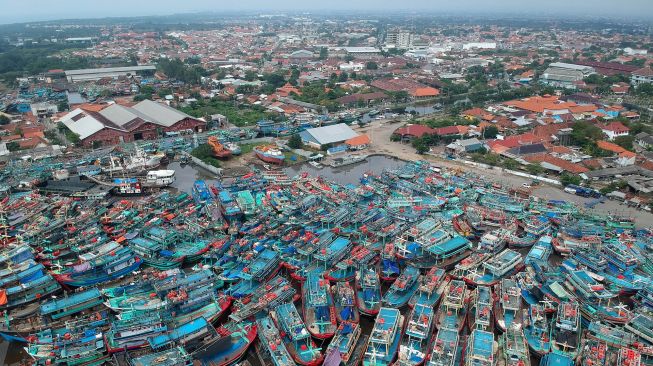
column 642, row 76
column 460, row 147
column 410, row 132
column 615, row 129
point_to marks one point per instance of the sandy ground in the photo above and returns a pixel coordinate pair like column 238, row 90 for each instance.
column 380, row 131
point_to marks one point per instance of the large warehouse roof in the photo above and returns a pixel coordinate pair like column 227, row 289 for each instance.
column 106, row 70
column 159, row 113
column 331, row 134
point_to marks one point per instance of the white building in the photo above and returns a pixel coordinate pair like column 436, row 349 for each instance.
column 642, row 76
column 635, row 52
column 400, row 39
column 479, row 45
column 351, row 66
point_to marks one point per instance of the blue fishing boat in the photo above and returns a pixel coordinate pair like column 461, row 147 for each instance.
column 494, row 269
column 133, row 332
column 347, row 345
column 229, row 207
column 172, row 357
column 541, row 251
column 191, row 333
column 445, row 351
column 452, row 313
column 537, row 330
column 514, row 348
column 230, row 344
column 557, row 359
column 368, row 291
column 383, row 343
column 479, row 315
column 507, row 307
column 642, row 326
column 201, row 192
column 450, row 252
column 344, row 298
column 567, row 331
column 402, row 289
column 482, row 349
column 270, row 338
column 318, row 307
column 295, row 335
column 429, row 289
column 413, row 348
column 69, row 306
column 116, row 264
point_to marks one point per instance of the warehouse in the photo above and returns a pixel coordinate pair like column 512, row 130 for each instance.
column 107, row 72
column 327, row 135
column 117, row 123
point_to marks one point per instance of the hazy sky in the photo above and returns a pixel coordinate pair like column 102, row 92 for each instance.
column 29, row 10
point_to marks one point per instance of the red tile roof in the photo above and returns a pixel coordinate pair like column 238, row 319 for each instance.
column 616, row 127
column 358, row 140
column 562, row 164
column 414, row 130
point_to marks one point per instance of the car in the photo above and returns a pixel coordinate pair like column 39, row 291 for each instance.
column 526, row 185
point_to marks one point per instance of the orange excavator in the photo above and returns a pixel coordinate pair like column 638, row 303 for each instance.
column 219, row 150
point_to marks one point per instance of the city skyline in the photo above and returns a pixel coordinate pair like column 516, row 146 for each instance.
column 27, row 11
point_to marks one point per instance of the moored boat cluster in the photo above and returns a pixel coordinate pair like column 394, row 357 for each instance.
column 451, row 269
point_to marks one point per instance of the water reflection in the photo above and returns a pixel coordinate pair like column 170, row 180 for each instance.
column 349, row 174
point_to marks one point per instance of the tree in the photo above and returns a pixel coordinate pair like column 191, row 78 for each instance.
column 343, row 77
column 490, row 132
column 420, row 146
column 567, row 179
column 4, row 120
column 371, row 65
column 295, row 142
column 645, row 89
column 13, row 146
column 625, row 141
column 535, row 169
column 63, row 106
column 324, row 53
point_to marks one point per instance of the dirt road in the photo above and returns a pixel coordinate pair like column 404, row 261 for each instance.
column 380, row 131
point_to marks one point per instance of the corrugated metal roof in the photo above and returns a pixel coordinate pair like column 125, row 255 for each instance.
column 109, row 70
column 82, row 123
column 160, row 113
column 331, row 134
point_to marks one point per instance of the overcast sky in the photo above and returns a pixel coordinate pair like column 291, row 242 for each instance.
column 29, row 10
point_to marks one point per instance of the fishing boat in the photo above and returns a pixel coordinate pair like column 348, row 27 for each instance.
column 402, row 289
column 115, row 264
column 479, row 315
column 482, row 349
column 429, row 290
column 492, row 242
column 348, row 343
column 344, row 298
column 270, row 339
column 230, row 344
column 269, row 154
column 514, row 347
column 445, row 350
column 133, row 332
column 537, row 330
column 295, row 336
column 383, row 344
column 507, row 307
column 541, row 251
column 452, row 313
column 318, row 307
column 413, row 348
column 642, row 326
column 172, row 357
column 567, row 331
column 368, row 291
column 492, row 270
